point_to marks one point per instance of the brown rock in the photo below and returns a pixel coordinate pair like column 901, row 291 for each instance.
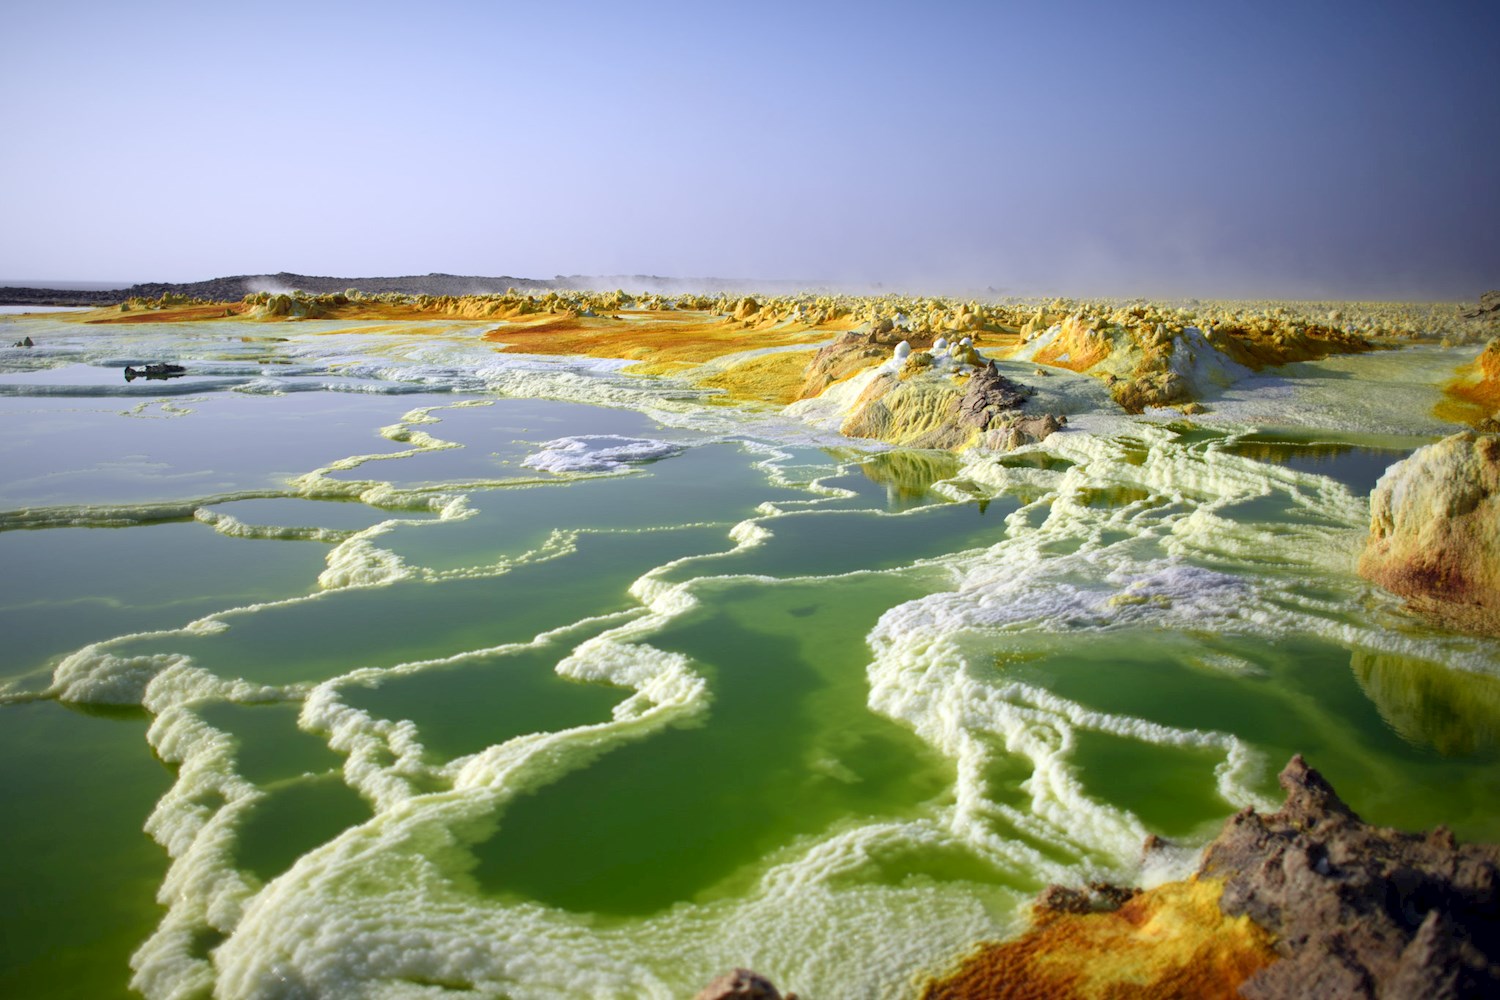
column 838, row 360
column 742, row 984
column 1488, row 308
column 1012, row 431
column 1357, row 910
column 1164, row 388
column 1099, row 897
column 987, row 395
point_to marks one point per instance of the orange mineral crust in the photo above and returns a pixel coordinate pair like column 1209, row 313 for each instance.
column 1172, row 941
column 1473, row 397
column 662, row 342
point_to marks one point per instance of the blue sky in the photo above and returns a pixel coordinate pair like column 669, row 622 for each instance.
column 1211, row 149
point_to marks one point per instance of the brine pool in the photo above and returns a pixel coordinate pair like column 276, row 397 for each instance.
column 364, row 662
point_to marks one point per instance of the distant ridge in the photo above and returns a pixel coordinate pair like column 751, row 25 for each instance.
column 233, row 288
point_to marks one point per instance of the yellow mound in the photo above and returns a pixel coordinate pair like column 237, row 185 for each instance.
column 194, row 313
column 1077, row 347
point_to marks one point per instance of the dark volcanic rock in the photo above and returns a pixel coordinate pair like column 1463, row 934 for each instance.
column 1488, row 308
column 742, row 984
column 987, row 395
column 1099, row 897
column 1357, row 910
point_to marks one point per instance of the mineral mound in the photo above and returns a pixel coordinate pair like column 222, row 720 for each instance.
column 1435, row 531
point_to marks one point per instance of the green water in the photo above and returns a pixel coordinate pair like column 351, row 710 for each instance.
column 754, row 701
column 1304, row 698
column 80, row 876
column 787, row 750
column 70, row 586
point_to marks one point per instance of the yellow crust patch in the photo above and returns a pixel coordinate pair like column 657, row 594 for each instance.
column 1076, row 347
column 1172, row 941
column 1474, row 394
column 768, row 378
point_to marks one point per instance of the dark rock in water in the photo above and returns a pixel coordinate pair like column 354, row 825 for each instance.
column 987, row 395
column 154, row 371
column 23, row 342
column 742, row 984
column 1357, row 910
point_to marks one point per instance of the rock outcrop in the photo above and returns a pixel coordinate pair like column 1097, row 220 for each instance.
column 1488, row 308
column 855, row 351
column 1151, row 357
column 840, row 359
column 1160, row 388
column 742, row 984
column 1307, row 901
column 1357, row 910
column 987, row 395
column 1435, row 531
column 928, row 408
column 917, row 411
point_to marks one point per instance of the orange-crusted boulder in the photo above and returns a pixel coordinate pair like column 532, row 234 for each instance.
column 1435, row 531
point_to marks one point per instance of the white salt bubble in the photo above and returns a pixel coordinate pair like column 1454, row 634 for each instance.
column 596, row 453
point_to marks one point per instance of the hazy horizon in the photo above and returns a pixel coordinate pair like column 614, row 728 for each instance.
column 708, row 284
column 1342, row 151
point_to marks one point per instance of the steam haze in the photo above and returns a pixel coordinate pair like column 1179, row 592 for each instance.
column 1305, row 151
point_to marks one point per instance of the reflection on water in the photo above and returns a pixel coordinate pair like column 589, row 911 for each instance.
column 1034, row 460
column 1112, row 496
column 1356, row 466
column 1455, row 713
column 908, row 476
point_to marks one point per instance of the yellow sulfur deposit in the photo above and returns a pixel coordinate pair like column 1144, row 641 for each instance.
column 1172, row 941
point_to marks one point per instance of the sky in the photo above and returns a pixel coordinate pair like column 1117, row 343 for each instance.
column 1218, row 148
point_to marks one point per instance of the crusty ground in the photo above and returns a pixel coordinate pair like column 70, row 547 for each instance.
column 1172, row 941
column 663, row 342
